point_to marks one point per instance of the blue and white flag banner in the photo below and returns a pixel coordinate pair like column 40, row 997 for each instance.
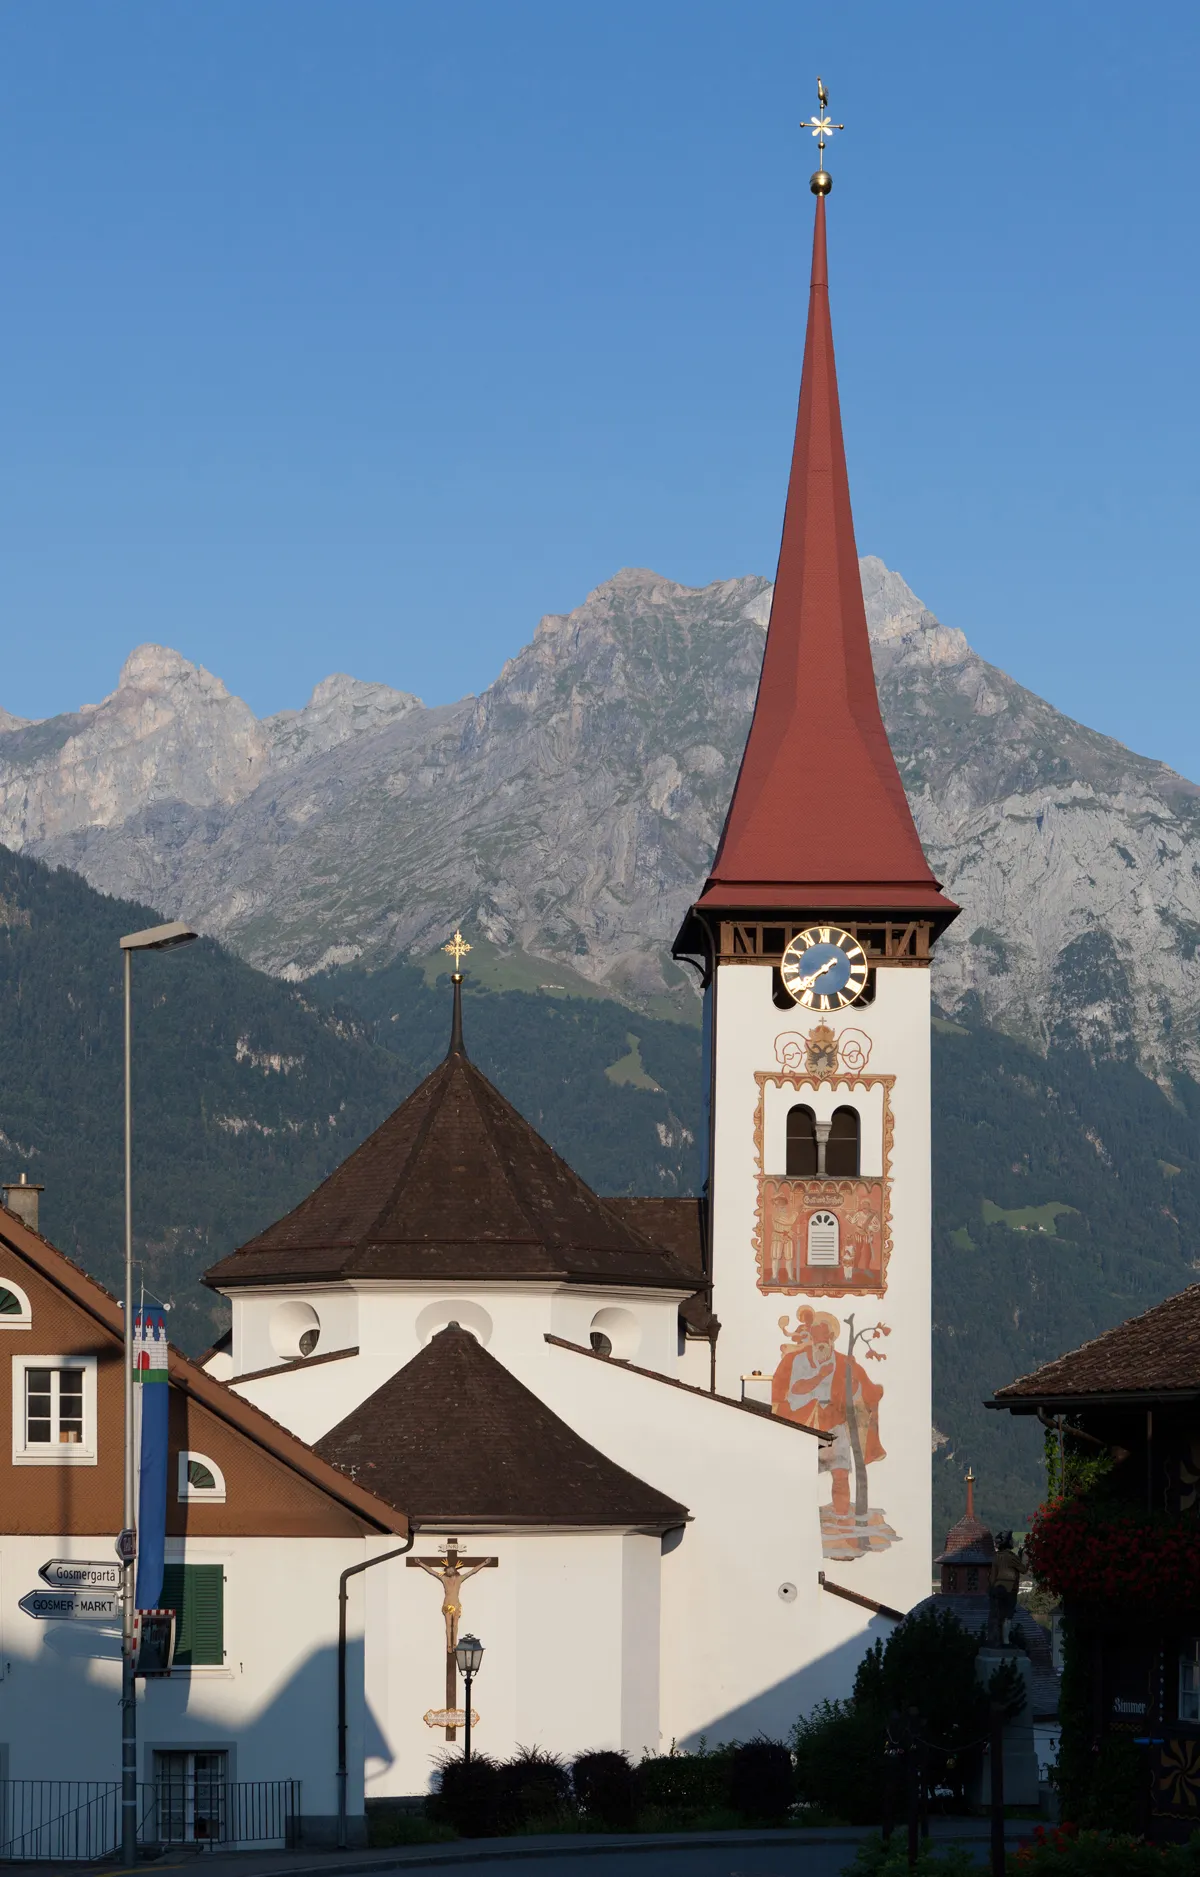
column 150, row 1377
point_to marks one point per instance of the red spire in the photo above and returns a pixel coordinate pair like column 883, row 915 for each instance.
column 819, row 816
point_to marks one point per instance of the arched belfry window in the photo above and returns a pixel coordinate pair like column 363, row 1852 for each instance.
column 801, row 1143
column 841, row 1150
column 823, row 1238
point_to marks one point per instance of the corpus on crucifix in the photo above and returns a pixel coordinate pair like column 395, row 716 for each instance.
column 452, row 1571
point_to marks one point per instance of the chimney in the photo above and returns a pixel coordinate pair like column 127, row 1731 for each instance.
column 22, row 1198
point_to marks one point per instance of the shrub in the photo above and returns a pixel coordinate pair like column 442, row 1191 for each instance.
column 877, row 1859
column 762, row 1781
column 467, row 1796
column 683, row 1783
column 534, row 1786
column 1069, row 1852
column 839, row 1751
column 606, row 1790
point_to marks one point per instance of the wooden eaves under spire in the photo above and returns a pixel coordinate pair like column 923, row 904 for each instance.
column 819, row 821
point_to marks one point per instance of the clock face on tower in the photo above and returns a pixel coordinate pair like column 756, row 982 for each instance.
column 824, row 968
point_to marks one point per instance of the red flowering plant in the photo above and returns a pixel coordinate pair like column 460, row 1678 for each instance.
column 1103, row 1551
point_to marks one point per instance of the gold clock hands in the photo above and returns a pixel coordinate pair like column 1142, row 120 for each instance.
column 806, row 984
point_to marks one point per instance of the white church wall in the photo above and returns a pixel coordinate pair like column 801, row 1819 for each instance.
column 555, row 1598
column 890, row 1039
column 272, row 1705
column 511, row 1321
column 268, row 1324
column 732, row 1649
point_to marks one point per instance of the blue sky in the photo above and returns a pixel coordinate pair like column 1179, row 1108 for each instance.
column 356, row 334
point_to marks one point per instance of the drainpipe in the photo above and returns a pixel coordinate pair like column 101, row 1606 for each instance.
column 352, row 1571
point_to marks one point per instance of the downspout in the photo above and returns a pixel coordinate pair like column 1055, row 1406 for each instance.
column 352, row 1570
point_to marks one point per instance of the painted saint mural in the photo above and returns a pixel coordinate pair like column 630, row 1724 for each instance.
column 825, row 1387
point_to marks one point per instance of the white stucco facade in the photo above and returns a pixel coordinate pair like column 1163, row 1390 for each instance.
column 888, row 1049
column 270, row 1707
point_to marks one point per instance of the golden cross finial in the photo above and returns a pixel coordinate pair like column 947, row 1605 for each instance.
column 457, row 948
column 821, row 125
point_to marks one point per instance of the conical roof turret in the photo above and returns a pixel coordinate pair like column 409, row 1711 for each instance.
column 819, row 817
column 455, row 1184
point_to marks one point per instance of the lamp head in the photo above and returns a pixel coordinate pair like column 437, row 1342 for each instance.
column 159, row 938
column 469, row 1655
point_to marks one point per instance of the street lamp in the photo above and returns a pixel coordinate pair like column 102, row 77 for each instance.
column 156, row 938
column 469, row 1655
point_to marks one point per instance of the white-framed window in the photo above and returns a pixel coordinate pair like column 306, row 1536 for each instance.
column 201, row 1478
column 54, row 1410
column 1189, row 1680
column 823, row 1236
column 15, row 1313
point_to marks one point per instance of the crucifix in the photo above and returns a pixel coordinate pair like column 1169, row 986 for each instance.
column 452, row 1572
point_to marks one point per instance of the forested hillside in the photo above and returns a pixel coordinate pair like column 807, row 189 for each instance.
column 1066, row 1192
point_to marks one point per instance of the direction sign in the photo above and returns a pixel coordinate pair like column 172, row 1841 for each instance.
column 81, row 1574
column 72, row 1606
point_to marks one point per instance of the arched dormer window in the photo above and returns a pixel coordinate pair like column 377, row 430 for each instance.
column 200, row 1478
column 15, row 1313
column 823, row 1238
column 841, row 1151
column 801, row 1143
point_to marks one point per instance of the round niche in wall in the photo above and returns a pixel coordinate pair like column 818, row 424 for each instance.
column 460, row 1310
column 295, row 1330
column 618, row 1328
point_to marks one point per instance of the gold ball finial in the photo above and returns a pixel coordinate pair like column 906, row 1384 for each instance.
column 820, row 182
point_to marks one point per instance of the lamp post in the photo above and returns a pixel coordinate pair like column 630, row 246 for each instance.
column 469, row 1655
column 156, row 938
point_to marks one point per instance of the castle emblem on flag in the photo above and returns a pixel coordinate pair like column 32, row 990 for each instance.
column 149, row 1346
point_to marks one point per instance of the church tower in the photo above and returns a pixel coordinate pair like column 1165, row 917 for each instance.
column 814, row 932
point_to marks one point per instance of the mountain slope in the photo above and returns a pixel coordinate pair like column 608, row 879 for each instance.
column 248, row 1092
column 569, row 813
column 1066, row 1192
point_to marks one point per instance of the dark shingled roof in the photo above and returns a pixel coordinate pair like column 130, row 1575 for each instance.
column 968, row 1542
column 1157, row 1354
column 456, row 1439
column 676, row 1226
column 455, row 1184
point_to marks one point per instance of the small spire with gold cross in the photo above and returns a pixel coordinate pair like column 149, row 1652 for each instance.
column 822, row 127
column 458, row 949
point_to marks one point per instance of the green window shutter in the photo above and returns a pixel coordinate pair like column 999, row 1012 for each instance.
column 196, row 1593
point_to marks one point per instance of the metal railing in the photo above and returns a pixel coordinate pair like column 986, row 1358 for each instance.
column 77, row 1820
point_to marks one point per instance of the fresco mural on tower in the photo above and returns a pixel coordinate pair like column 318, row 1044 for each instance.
column 823, row 1386
column 821, row 1233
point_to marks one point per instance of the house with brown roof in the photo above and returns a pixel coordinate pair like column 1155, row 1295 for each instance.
column 1118, row 1539
column 259, row 1529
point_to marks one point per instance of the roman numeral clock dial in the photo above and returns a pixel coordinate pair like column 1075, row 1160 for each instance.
column 824, row 968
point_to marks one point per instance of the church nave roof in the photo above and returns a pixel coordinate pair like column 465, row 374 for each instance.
column 456, row 1439
column 455, row 1184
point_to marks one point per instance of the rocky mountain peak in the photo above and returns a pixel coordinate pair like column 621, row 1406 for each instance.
column 339, row 709
column 156, row 668
column 570, row 812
